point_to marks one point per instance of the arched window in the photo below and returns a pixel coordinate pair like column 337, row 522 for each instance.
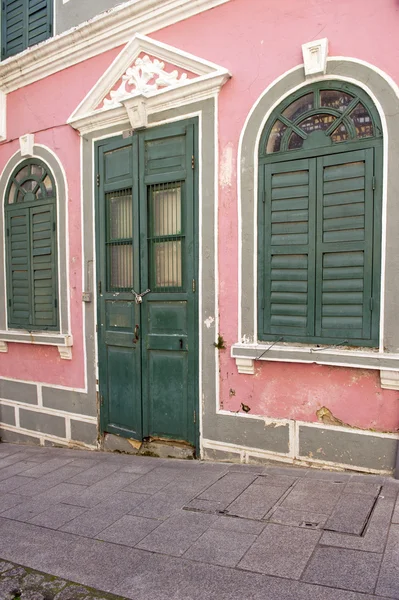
column 319, row 238
column 31, row 257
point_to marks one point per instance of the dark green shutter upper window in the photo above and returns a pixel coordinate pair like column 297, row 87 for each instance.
column 24, row 24
column 30, row 215
column 320, row 170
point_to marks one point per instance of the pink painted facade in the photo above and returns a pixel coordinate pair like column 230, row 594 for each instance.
column 258, row 43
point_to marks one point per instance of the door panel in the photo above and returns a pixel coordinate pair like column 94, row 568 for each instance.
column 118, row 274
column 148, row 348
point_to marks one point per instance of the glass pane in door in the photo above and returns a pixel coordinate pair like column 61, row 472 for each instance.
column 119, row 240
column 165, row 235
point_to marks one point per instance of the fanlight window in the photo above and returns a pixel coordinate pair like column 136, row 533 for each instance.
column 32, row 182
column 322, row 117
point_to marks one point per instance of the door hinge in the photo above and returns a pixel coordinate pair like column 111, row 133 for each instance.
column 55, row 303
column 8, row 232
column 96, row 327
column 373, row 182
column 195, row 416
column 371, row 304
column 193, row 162
column 101, row 400
column 9, row 302
column 98, row 179
column 194, row 286
column 99, row 288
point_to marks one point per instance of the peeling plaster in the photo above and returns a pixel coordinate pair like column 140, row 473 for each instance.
column 209, row 321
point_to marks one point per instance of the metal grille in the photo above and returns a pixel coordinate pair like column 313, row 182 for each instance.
column 165, row 235
column 119, row 244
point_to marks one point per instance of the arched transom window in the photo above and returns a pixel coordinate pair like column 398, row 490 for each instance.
column 322, row 116
column 319, row 239
column 30, row 215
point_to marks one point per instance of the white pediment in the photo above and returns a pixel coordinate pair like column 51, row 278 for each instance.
column 147, row 76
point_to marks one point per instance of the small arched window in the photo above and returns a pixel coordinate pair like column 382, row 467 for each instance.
column 30, row 215
column 320, row 161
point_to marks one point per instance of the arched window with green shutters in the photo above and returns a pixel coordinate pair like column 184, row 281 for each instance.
column 31, row 253
column 319, row 236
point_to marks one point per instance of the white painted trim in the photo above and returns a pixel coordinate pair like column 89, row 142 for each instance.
column 104, row 32
column 62, row 338
column 20, row 336
column 293, row 457
column 49, row 411
column 315, row 57
column 307, row 354
column 47, row 437
column 250, row 337
column 87, row 117
column 216, row 257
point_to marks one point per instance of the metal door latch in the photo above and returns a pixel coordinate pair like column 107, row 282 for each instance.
column 138, row 298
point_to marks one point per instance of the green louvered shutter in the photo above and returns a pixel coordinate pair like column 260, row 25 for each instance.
column 39, row 21
column 345, row 246
column 24, row 23
column 13, row 27
column 32, row 269
column 43, row 267
column 19, row 297
column 288, row 248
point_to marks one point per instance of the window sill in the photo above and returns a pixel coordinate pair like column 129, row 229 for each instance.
column 246, row 354
column 64, row 342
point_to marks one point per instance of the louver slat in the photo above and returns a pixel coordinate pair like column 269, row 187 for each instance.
column 39, row 21
column 43, row 266
column 19, row 267
column 289, row 248
column 344, row 246
column 13, row 28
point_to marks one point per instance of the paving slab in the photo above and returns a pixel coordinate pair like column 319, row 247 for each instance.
column 92, row 521
column 96, row 493
column 375, row 536
column 178, row 533
column 46, row 482
column 314, row 494
column 154, row 481
column 56, row 516
column 239, row 525
column 13, row 483
column 256, row 501
column 351, row 513
column 342, row 568
column 220, row 547
column 281, row 551
column 121, row 523
column 395, row 517
column 128, row 530
column 297, row 518
column 228, row 487
column 388, row 581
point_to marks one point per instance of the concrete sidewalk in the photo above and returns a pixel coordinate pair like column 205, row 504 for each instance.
column 168, row 529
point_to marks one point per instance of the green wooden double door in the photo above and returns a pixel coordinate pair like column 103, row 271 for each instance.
column 146, row 273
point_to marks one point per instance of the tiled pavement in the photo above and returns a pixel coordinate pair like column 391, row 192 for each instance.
column 186, row 530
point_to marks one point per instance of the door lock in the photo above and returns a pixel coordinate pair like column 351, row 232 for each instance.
column 138, row 298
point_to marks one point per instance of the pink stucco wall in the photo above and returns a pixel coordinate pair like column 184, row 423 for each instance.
column 257, row 41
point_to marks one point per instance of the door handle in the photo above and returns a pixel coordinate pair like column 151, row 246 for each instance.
column 136, row 334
